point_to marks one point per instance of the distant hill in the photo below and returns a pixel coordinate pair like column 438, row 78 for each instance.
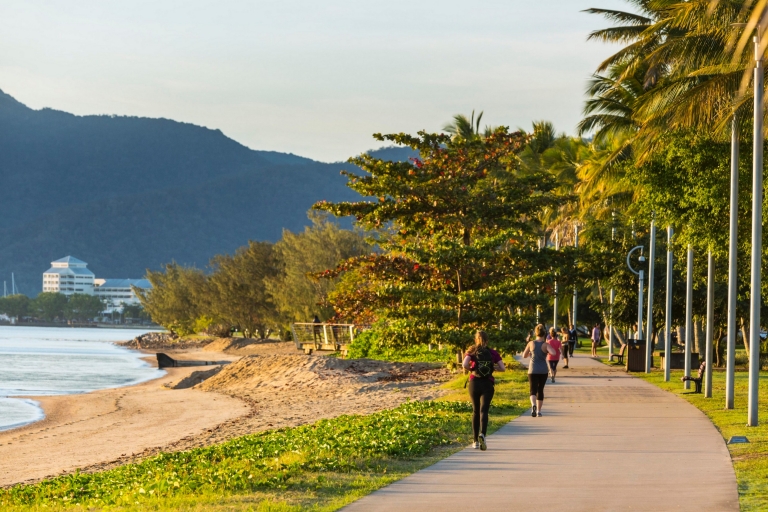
column 126, row 193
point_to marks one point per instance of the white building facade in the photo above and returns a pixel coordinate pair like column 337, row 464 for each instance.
column 116, row 293
column 67, row 276
column 70, row 275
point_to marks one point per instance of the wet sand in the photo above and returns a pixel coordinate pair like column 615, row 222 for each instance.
column 271, row 386
column 108, row 425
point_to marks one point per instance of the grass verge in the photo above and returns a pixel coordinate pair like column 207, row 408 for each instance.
column 322, row 466
column 750, row 461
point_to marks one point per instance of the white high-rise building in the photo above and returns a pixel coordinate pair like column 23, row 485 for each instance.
column 67, row 276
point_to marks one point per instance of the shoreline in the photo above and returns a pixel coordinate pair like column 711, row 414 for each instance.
column 108, row 427
column 268, row 385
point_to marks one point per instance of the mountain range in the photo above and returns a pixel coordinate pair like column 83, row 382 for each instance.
column 126, row 194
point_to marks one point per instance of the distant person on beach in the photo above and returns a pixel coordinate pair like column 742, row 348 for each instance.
column 538, row 369
column 317, row 330
column 553, row 359
column 481, row 361
column 565, row 335
column 595, row 339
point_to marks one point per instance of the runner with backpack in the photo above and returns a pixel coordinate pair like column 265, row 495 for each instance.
column 481, row 361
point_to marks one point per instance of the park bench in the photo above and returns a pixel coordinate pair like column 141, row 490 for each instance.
column 697, row 380
column 620, row 356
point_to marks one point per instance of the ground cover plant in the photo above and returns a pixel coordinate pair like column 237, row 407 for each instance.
column 321, row 466
column 750, row 460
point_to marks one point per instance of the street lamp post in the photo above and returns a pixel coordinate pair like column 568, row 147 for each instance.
column 554, row 319
column 688, row 314
column 710, row 324
column 732, row 270
column 641, row 275
column 757, row 235
column 613, row 293
column 651, row 272
column 575, row 293
column 668, row 312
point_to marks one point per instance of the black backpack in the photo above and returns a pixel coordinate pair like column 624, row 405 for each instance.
column 484, row 363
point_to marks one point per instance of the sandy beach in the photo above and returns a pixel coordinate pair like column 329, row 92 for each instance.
column 268, row 385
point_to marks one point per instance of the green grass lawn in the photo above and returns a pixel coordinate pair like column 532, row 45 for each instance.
column 322, row 466
column 749, row 460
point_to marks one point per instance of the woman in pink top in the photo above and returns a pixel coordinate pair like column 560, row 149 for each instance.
column 553, row 359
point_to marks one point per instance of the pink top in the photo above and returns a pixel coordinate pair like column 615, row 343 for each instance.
column 555, row 344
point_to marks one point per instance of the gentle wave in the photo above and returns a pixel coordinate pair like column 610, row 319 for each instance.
column 36, row 361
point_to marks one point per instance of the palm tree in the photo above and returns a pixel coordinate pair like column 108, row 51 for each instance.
column 467, row 128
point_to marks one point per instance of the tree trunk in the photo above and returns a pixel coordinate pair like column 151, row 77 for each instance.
column 745, row 335
column 619, row 336
column 719, row 348
column 698, row 337
column 680, row 336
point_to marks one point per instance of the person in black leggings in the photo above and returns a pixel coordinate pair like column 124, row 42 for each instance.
column 481, row 361
column 538, row 369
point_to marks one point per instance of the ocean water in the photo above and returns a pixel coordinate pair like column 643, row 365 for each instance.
column 37, row 361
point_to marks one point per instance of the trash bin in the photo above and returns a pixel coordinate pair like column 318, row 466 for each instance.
column 636, row 356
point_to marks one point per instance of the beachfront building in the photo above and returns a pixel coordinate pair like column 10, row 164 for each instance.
column 67, row 276
column 117, row 293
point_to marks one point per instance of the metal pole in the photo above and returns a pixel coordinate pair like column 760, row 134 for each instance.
column 640, row 306
column 554, row 319
column 710, row 323
column 649, row 330
column 640, row 274
column 757, row 241
column 688, row 314
column 732, row 268
column 610, row 327
column 613, row 296
column 575, row 293
column 668, row 312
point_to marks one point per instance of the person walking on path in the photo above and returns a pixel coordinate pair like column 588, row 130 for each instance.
column 573, row 337
column 481, row 361
column 565, row 334
column 554, row 341
column 538, row 369
column 595, row 339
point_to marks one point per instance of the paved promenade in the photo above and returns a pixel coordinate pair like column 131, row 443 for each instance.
column 606, row 441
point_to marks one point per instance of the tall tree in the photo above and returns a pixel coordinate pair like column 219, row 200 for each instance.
column 458, row 236
column 15, row 306
column 237, row 289
column 83, row 307
column 49, row 305
column 175, row 299
column 324, row 245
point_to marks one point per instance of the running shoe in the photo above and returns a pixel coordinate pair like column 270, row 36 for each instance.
column 553, row 380
column 538, row 414
column 533, row 411
column 566, row 366
column 475, row 445
column 483, row 446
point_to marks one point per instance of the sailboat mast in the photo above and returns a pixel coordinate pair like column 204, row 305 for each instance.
column 13, row 284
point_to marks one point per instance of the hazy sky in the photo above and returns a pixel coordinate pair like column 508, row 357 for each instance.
column 315, row 78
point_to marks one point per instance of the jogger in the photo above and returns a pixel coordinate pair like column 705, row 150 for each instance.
column 537, row 350
column 564, row 334
column 552, row 360
column 481, row 361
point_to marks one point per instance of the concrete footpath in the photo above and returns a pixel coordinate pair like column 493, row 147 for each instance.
column 606, row 441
